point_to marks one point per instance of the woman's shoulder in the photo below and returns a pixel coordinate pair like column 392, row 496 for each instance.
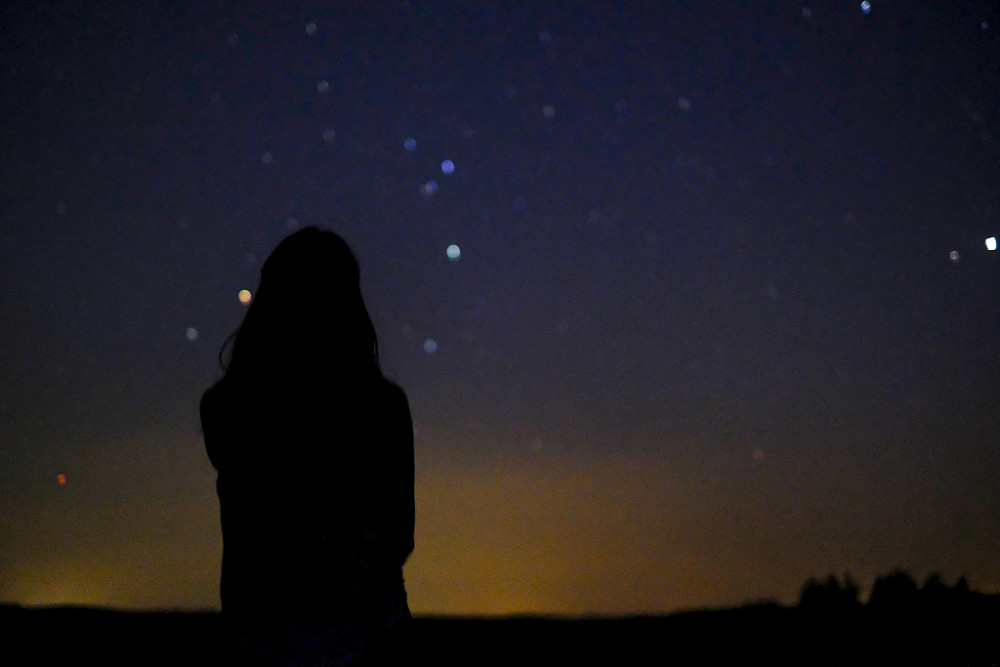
column 210, row 400
column 214, row 426
column 221, row 408
column 394, row 396
column 392, row 389
column 214, row 400
column 212, row 393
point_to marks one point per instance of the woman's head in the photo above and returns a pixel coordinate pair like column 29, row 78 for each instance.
column 308, row 315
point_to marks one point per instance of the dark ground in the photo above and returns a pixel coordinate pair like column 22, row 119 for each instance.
column 758, row 634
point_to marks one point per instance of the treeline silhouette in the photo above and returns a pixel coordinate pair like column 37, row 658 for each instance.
column 894, row 622
column 896, row 592
column 900, row 622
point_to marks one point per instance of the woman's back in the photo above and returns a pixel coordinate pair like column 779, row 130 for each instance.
column 314, row 453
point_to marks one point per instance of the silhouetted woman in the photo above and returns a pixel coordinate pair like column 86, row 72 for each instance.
column 314, row 452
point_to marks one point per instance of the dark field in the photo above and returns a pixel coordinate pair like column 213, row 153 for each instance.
column 966, row 634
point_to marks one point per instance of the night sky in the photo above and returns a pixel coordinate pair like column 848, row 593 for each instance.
column 721, row 316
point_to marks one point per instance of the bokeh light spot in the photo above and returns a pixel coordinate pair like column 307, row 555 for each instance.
column 323, row 86
column 430, row 346
column 192, row 334
column 954, row 256
column 429, row 188
column 454, row 252
column 245, row 297
column 410, row 144
column 991, row 243
column 62, row 479
column 549, row 111
column 866, row 7
column 448, row 166
column 311, row 28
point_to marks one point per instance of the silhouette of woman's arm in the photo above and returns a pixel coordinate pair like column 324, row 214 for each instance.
column 400, row 508
column 212, row 425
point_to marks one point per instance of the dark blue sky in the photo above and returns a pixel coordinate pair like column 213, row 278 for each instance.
column 706, row 337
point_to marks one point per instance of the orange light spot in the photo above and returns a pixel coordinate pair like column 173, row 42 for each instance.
column 245, row 297
column 62, row 479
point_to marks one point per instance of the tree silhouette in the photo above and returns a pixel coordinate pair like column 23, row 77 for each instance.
column 830, row 596
column 895, row 592
column 937, row 597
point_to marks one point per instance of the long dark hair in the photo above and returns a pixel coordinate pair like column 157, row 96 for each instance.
column 307, row 319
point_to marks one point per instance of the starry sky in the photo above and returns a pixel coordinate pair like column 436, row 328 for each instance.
column 721, row 313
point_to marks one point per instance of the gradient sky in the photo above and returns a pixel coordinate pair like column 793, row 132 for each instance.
column 724, row 316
